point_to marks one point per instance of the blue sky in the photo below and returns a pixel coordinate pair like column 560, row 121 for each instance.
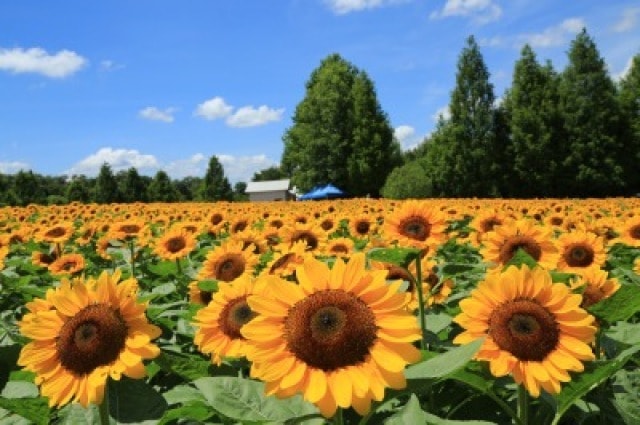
column 167, row 84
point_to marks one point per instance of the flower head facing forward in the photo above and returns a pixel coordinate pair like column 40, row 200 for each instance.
column 534, row 329
column 339, row 337
column 83, row 333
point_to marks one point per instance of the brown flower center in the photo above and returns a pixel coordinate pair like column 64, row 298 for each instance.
column 330, row 329
column 281, row 262
column 511, row 246
column 327, row 224
column 55, row 232
column 130, row 229
column 215, row 218
column 488, row 224
column 308, row 237
column 525, row 329
column 340, row 249
column 176, row 244
column 234, row 316
column 634, row 232
column 229, row 267
column 415, row 227
column 592, row 295
column 94, row 337
column 362, row 227
column 578, row 255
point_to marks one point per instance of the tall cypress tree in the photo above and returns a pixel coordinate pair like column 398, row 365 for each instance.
column 215, row 186
column 106, row 188
column 534, row 148
column 592, row 123
column 335, row 127
column 629, row 100
column 469, row 155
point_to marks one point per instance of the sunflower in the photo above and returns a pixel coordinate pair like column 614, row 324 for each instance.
column 84, row 333
column 596, row 285
column 197, row 295
column 534, row 328
column 339, row 247
column 580, row 250
column 362, row 225
column 57, row 233
column 484, row 222
column 251, row 237
column 228, row 262
column 502, row 243
column 127, row 230
column 339, row 337
column 416, row 224
column 175, row 244
column 636, row 266
column 286, row 261
column 629, row 231
column 43, row 259
column 434, row 289
column 218, row 324
column 67, row 264
column 314, row 235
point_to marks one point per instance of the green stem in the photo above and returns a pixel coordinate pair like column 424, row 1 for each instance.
column 337, row 418
column 523, row 405
column 132, row 250
column 103, row 408
column 179, row 267
column 503, row 404
column 423, row 324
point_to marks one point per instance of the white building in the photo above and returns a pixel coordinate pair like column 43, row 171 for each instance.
column 271, row 190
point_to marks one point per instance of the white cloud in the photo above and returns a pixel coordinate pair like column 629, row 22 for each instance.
column 242, row 168
column 155, row 114
column 118, row 159
column 213, row 109
column 622, row 74
column 342, row 7
column 555, row 35
column 38, row 61
column 108, row 65
column 13, row 167
column 194, row 166
column 444, row 111
column 406, row 136
column 481, row 11
column 248, row 116
column 628, row 21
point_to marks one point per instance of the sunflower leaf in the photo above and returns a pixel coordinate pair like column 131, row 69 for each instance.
column 399, row 256
column 196, row 411
column 34, row 409
column 446, row 363
column 627, row 401
column 412, row 413
column 521, row 257
column 133, row 400
column 210, row 285
column 620, row 306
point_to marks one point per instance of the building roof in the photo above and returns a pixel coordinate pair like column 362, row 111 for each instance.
column 267, row 186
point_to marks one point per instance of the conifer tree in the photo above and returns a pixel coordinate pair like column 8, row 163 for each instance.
column 592, row 123
column 629, row 100
column 215, row 186
column 106, row 187
column 162, row 189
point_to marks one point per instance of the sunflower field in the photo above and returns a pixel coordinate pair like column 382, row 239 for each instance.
column 359, row 311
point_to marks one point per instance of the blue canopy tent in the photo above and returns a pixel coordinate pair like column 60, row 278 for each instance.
column 322, row 192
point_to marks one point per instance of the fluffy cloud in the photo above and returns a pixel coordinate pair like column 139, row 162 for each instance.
column 556, row 35
column 118, row 159
column 628, row 21
column 248, row 116
column 38, row 61
column 154, row 114
column 242, row 168
column 108, row 65
column 406, row 136
column 194, row 166
column 444, row 111
column 213, row 109
column 13, row 167
column 342, row 7
column 481, row 11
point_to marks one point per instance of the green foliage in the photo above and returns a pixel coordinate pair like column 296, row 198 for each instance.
column 106, row 188
column 132, row 185
column 271, row 173
column 340, row 134
column 629, row 99
column 408, row 181
column 162, row 189
column 215, row 186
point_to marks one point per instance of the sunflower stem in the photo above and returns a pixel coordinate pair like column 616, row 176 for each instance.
column 103, row 408
column 423, row 325
column 133, row 261
column 337, row 418
column 523, row 405
column 179, row 267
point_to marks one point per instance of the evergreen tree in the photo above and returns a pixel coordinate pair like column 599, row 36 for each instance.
column 215, row 186
column 27, row 189
column 629, row 100
column 161, row 189
column 133, row 187
column 79, row 189
column 270, row 173
column 535, row 145
column 337, row 124
column 188, row 187
column 106, row 187
column 240, row 192
column 592, row 123
column 466, row 154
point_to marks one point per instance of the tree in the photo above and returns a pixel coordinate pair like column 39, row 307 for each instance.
column 106, row 188
column 592, row 166
column 408, row 181
column 333, row 128
column 188, row 187
column 133, row 187
column 79, row 189
column 531, row 106
column 240, row 192
column 629, row 100
column 215, row 186
column 466, row 158
column 270, row 173
column 161, row 189
column 27, row 188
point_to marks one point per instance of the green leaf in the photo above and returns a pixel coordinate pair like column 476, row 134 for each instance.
column 34, row 409
column 444, row 364
column 244, row 400
column 20, row 389
column 195, row 411
column 8, row 358
column 163, row 268
column 595, row 373
column 521, row 257
column 399, row 256
column 75, row 414
column 411, row 413
column 626, row 391
column 133, row 400
column 618, row 307
column 208, row 285
column 187, row 366
column 625, row 332
column 437, row 322
column 182, row 394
